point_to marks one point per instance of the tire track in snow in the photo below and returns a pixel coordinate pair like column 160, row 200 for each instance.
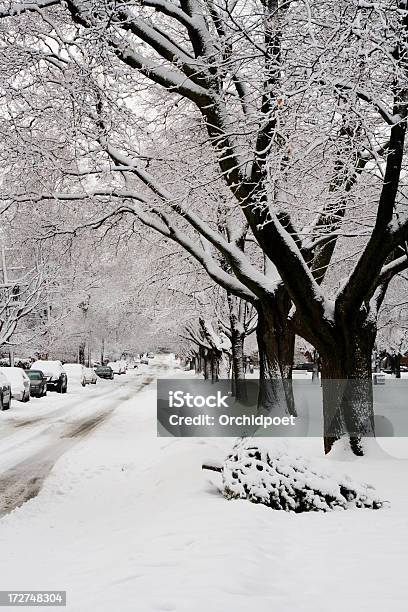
column 24, row 481
column 36, row 428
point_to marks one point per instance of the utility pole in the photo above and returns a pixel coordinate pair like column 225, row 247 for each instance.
column 103, row 351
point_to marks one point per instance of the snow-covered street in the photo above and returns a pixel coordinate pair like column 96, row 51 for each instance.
column 33, row 436
column 127, row 521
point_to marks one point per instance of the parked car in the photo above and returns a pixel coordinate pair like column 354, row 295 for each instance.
column 20, row 383
column 144, row 361
column 306, row 367
column 75, row 373
column 5, row 392
column 116, row 367
column 54, row 373
column 38, row 383
column 150, row 355
column 90, row 376
column 104, row 372
column 403, row 369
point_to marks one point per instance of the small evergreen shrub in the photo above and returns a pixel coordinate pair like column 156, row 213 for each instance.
column 286, row 483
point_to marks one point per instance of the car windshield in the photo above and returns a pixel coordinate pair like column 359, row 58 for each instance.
column 32, row 375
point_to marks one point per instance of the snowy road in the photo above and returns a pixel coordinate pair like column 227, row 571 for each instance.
column 34, row 436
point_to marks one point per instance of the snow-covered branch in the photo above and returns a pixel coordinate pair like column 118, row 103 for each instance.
column 171, row 10
column 243, row 269
column 19, row 8
column 394, row 267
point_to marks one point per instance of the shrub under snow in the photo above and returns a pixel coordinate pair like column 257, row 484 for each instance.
column 282, row 482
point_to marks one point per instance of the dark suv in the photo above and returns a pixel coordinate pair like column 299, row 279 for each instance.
column 38, row 383
column 54, row 373
column 306, row 367
column 104, row 372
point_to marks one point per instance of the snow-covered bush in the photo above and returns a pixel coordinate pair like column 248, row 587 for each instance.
column 286, row 483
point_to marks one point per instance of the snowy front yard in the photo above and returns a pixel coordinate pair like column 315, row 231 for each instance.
column 128, row 522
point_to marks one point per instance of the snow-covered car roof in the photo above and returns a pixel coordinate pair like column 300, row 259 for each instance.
column 48, row 367
column 14, row 375
column 4, row 379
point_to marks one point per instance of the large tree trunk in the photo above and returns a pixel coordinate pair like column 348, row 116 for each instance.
column 347, row 388
column 237, row 350
column 276, row 343
column 200, row 361
column 81, row 352
column 239, row 389
column 223, row 362
column 206, row 364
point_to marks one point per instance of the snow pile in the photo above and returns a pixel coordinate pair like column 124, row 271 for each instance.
column 286, row 483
